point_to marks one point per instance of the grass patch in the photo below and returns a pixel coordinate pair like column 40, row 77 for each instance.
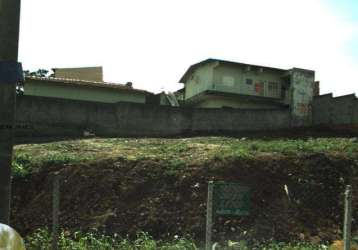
column 177, row 153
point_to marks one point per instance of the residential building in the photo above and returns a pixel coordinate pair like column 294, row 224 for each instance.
column 76, row 89
column 215, row 83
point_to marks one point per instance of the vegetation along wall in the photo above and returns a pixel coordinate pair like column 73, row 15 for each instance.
column 52, row 117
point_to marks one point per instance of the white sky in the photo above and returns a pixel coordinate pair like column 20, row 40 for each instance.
column 152, row 43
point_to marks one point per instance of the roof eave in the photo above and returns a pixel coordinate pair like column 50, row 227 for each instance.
column 193, row 67
column 82, row 83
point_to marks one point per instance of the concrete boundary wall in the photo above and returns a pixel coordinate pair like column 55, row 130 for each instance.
column 52, row 117
column 335, row 111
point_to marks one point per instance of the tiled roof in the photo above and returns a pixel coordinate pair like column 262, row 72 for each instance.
column 79, row 82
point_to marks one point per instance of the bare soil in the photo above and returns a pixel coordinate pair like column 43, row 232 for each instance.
column 126, row 196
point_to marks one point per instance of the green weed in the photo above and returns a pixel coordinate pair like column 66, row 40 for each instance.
column 41, row 240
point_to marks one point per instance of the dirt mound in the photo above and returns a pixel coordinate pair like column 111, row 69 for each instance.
column 124, row 197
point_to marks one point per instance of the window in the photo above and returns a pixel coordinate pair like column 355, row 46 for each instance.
column 273, row 88
column 249, row 81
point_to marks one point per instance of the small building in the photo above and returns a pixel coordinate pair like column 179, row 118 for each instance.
column 84, row 73
column 76, row 89
column 215, row 83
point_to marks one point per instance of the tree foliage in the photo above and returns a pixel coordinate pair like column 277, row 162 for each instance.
column 39, row 73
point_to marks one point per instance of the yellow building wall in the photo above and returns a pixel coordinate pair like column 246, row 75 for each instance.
column 87, row 74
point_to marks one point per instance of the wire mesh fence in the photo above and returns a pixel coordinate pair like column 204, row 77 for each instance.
column 258, row 225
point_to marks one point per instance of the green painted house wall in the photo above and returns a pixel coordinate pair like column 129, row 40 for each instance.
column 200, row 80
column 232, row 79
column 215, row 83
column 85, row 93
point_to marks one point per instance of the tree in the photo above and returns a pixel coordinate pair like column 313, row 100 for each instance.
column 38, row 73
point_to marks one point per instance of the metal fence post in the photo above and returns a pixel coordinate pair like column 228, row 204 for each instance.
column 55, row 211
column 347, row 218
column 209, row 216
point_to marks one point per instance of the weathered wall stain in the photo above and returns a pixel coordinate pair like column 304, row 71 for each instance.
column 301, row 97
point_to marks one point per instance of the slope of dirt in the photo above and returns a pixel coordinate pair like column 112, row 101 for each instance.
column 123, row 196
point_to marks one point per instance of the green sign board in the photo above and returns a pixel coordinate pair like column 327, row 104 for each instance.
column 231, row 199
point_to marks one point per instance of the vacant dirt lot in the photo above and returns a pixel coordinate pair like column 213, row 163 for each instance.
column 159, row 185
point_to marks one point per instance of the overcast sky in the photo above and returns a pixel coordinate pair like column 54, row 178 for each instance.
column 152, row 43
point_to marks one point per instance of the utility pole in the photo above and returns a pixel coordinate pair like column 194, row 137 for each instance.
column 10, row 74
